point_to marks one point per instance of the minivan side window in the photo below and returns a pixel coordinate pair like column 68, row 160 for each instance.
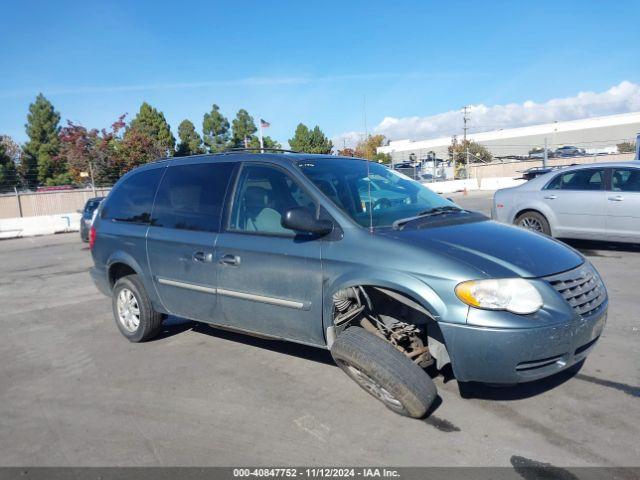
column 132, row 200
column 586, row 180
column 190, row 197
column 262, row 196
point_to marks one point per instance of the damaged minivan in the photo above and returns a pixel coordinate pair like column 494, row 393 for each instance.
column 347, row 255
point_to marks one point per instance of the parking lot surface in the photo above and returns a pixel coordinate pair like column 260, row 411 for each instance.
column 73, row 391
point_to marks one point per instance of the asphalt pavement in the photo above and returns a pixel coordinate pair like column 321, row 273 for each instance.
column 73, row 391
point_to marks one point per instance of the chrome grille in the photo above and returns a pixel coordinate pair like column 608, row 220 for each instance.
column 581, row 287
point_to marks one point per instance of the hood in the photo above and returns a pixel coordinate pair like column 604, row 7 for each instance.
column 495, row 249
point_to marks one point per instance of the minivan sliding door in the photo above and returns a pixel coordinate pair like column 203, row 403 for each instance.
column 182, row 236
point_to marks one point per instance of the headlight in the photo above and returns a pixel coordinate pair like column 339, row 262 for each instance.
column 516, row 295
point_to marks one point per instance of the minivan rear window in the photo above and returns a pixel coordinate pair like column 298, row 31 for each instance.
column 190, row 197
column 132, row 200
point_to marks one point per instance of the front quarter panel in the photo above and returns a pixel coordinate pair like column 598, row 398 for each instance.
column 364, row 259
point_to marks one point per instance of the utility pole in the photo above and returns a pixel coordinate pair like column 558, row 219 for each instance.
column 465, row 118
column 15, row 189
column 93, row 182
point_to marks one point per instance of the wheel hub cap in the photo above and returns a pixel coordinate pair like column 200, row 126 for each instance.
column 373, row 387
column 128, row 310
column 531, row 224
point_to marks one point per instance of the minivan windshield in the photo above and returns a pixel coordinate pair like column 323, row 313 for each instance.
column 376, row 196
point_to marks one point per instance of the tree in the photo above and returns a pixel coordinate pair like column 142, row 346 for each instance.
column 11, row 148
column 190, row 141
column 382, row 158
column 215, row 129
column 626, row 147
column 347, row 152
column 477, row 153
column 152, row 123
column 40, row 152
column 300, row 140
column 8, row 173
column 87, row 151
column 368, row 147
column 243, row 127
column 64, row 178
column 267, row 142
column 310, row 141
column 77, row 148
column 318, row 142
column 136, row 148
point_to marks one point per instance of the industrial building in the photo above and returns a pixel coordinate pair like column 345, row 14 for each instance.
column 597, row 135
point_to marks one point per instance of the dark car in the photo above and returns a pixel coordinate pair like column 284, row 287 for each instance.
column 391, row 279
column 87, row 216
column 531, row 173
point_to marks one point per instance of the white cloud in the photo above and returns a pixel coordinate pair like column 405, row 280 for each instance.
column 346, row 140
column 621, row 98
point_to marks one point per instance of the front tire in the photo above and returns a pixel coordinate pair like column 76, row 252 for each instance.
column 135, row 317
column 533, row 221
column 384, row 372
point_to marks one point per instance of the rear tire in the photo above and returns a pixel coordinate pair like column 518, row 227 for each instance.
column 384, row 372
column 533, row 221
column 135, row 317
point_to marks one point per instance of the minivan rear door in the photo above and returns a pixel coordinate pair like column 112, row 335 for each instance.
column 182, row 237
column 269, row 278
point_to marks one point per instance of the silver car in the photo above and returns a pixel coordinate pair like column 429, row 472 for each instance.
column 600, row 201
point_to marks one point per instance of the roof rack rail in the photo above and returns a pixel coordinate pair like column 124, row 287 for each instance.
column 251, row 149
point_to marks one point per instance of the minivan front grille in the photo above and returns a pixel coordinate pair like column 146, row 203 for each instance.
column 581, row 287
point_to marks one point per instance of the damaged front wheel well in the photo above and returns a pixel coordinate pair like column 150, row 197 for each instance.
column 393, row 316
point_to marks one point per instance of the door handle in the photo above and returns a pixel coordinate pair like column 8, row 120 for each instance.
column 228, row 259
column 551, row 197
column 617, row 198
column 202, row 257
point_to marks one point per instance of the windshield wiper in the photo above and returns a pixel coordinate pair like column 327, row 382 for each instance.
column 432, row 212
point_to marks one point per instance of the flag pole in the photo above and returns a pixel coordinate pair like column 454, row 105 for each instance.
column 260, row 137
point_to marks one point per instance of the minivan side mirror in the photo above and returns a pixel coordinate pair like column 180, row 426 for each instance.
column 301, row 219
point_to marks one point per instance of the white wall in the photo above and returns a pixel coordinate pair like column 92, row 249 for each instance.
column 42, row 225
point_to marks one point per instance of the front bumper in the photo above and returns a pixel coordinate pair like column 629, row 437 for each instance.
column 509, row 356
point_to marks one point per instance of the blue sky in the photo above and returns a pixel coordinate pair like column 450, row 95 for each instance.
column 311, row 62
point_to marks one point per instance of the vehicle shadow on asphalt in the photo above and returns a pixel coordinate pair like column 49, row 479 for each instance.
column 592, row 248
column 175, row 325
column 519, row 391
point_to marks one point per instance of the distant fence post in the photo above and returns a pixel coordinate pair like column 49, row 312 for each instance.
column 18, row 200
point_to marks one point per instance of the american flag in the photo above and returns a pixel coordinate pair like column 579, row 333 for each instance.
column 264, row 123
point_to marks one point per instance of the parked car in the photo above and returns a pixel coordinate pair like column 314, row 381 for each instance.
column 569, row 151
column 533, row 172
column 539, row 153
column 599, row 201
column 55, row 188
column 288, row 246
column 87, row 216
